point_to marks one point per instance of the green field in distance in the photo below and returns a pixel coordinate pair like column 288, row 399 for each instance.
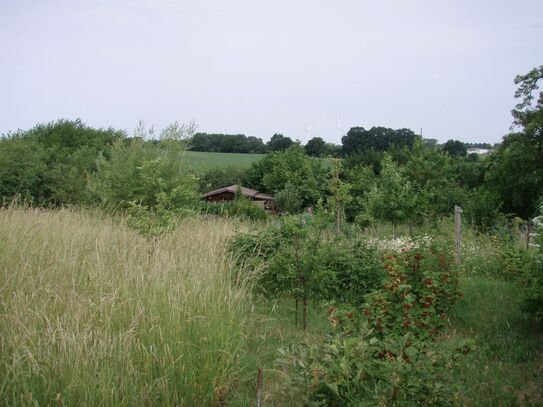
column 200, row 160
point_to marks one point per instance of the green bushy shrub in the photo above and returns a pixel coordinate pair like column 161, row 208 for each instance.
column 342, row 269
column 240, row 208
column 363, row 370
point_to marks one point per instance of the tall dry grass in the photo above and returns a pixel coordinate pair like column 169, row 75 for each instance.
column 91, row 314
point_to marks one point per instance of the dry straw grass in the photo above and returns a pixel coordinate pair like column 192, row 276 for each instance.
column 89, row 317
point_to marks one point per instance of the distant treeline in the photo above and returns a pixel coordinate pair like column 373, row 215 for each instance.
column 240, row 143
column 357, row 140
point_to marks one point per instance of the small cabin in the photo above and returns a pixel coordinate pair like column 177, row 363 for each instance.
column 229, row 194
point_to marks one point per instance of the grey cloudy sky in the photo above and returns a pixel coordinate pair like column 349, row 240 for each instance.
column 260, row 67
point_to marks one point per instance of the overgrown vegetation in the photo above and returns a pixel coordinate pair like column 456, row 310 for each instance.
column 86, row 318
column 120, row 286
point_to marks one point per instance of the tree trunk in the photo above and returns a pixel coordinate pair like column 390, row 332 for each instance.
column 305, row 313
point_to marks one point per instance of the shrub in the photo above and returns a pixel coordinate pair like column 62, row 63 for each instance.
column 348, row 267
column 533, row 298
column 386, row 352
column 299, row 257
column 420, row 287
column 289, row 200
column 241, row 208
column 364, row 370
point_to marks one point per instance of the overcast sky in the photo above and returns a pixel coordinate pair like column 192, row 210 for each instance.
column 261, row 67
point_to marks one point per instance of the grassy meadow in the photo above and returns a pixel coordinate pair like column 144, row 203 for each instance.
column 91, row 314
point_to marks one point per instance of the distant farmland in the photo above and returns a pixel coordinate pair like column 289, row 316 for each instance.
column 204, row 160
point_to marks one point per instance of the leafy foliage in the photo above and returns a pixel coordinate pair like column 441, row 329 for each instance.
column 220, row 177
column 289, row 200
column 516, row 168
column 298, row 257
column 393, row 197
column 139, row 172
column 240, row 207
column 275, row 171
column 420, row 288
column 533, row 297
column 455, row 148
column 51, row 162
column 316, row 147
column 278, row 142
column 365, row 370
column 227, row 143
column 359, row 139
column 387, row 354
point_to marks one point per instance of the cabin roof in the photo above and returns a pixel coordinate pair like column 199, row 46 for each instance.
column 248, row 192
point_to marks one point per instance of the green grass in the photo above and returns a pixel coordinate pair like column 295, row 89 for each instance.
column 202, row 161
column 506, row 366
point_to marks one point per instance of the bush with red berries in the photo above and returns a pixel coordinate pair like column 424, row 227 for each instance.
column 420, row 287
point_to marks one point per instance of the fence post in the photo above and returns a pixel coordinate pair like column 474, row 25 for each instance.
column 458, row 233
column 259, row 388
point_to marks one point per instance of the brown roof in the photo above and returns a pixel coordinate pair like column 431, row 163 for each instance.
column 248, row 192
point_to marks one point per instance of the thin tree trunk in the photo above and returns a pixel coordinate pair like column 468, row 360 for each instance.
column 305, row 313
column 259, row 388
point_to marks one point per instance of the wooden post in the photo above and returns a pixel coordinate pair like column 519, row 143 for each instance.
column 259, row 388
column 458, row 233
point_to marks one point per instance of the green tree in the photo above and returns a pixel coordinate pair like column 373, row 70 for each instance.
column 359, row 139
column 278, row 142
column 393, row 197
column 289, row 200
column 316, row 147
column 515, row 170
column 23, row 164
column 361, row 179
column 339, row 191
column 295, row 167
column 455, row 148
column 434, row 176
column 141, row 172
